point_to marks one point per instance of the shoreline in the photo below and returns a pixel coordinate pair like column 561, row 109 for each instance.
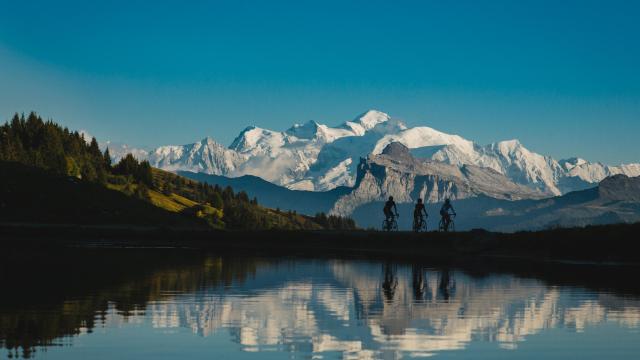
column 606, row 244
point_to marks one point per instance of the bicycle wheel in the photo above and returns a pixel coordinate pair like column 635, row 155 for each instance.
column 452, row 226
column 420, row 225
column 385, row 225
column 394, row 225
column 441, row 225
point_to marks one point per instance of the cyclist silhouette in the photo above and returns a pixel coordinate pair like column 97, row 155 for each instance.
column 418, row 220
column 390, row 204
column 446, row 211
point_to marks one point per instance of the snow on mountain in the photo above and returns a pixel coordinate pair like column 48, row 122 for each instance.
column 338, row 160
column 366, row 121
column 593, row 172
column 395, row 172
column 85, row 135
column 286, row 158
column 205, row 156
column 509, row 158
column 419, row 137
column 119, row 150
column 279, row 157
column 313, row 156
column 523, row 166
column 312, row 130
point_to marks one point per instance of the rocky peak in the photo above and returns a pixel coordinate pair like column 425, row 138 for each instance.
column 397, row 150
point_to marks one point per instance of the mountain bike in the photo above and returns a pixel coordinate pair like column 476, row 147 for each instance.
column 451, row 227
column 390, row 225
column 420, row 225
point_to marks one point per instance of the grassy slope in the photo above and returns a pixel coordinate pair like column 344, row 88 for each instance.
column 29, row 194
column 173, row 203
column 176, row 202
column 32, row 195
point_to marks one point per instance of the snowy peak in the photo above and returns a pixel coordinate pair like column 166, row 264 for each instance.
column 507, row 147
column 317, row 157
column 308, row 130
column 366, row 121
column 120, row 150
column 420, row 137
column 312, row 130
column 255, row 140
column 371, row 119
column 206, row 156
column 571, row 163
column 243, row 139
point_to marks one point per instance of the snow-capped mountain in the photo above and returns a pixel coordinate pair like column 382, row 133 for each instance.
column 286, row 158
column 204, row 156
column 395, row 172
column 317, row 157
column 523, row 166
column 119, row 150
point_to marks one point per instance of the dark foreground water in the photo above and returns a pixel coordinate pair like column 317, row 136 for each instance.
column 150, row 304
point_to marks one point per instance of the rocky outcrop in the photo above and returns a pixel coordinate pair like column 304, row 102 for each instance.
column 620, row 188
column 395, row 172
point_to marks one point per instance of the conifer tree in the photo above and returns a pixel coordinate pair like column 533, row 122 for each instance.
column 106, row 158
column 216, row 201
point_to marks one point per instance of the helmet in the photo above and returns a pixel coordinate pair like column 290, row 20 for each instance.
column 419, row 201
column 390, row 198
column 446, row 201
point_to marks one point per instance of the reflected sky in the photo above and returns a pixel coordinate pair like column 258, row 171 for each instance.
column 338, row 309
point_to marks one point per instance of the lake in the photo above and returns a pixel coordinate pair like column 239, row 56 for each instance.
column 167, row 304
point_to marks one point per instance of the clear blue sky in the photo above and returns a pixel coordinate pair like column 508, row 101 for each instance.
column 561, row 76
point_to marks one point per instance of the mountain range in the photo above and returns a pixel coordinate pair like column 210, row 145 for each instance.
column 485, row 201
column 316, row 157
column 483, row 197
column 351, row 168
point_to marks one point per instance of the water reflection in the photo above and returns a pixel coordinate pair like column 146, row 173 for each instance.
column 329, row 308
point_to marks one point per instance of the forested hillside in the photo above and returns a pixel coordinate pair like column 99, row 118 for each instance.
column 48, row 153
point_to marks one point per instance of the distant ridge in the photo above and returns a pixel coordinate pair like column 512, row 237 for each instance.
column 274, row 196
column 615, row 200
column 317, row 157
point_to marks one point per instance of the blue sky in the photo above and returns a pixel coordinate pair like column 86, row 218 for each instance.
column 561, row 76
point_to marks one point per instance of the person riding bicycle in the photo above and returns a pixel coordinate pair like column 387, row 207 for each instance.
column 446, row 211
column 417, row 213
column 390, row 204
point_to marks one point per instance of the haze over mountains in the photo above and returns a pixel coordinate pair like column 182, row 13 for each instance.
column 316, row 157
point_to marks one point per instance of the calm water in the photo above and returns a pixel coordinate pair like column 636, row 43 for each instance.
column 163, row 306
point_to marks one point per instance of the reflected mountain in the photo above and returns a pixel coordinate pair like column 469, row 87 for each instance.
column 341, row 308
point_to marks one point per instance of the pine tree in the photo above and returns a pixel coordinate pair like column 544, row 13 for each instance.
column 145, row 174
column 216, row 201
column 106, row 158
column 94, row 149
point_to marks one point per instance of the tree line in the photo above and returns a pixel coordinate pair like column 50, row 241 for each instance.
column 47, row 145
column 44, row 144
column 334, row 222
